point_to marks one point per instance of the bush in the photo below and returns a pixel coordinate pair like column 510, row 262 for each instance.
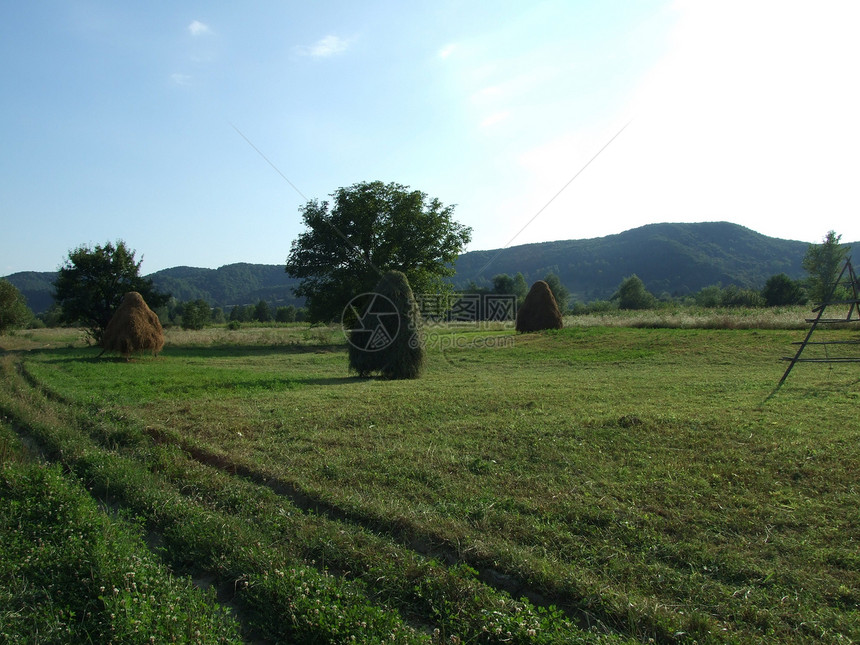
column 780, row 290
column 53, row 317
column 286, row 314
column 736, row 297
column 731, row 296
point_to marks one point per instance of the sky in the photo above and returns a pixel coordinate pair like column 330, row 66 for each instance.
column 196, row 131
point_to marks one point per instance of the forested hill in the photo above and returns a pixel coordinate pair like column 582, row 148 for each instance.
column 232, row 284
column 670, row 258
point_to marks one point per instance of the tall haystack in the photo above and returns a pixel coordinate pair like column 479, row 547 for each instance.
column 539, row 310
column 134, row 328
column 385, row 336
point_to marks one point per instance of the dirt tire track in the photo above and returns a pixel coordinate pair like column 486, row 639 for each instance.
column 401, row 531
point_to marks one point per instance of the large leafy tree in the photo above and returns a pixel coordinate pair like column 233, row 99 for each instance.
column 823, row 262
column 368, row 229
column 14, row 311
column 91, row 283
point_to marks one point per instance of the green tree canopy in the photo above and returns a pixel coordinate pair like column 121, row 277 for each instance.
column 823, row 262
column 632, row 294
column 369, row 229
column 505, row 284
column 195, row 314
column 781, row 290
column 91, row 283
column 521, row 288
column 14, row 311
column 263, row 312
column 286, row 314
column 559, row 291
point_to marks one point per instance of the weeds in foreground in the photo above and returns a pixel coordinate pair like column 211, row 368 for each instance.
column 688, row 317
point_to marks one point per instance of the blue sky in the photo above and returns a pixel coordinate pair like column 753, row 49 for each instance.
column 133, row 121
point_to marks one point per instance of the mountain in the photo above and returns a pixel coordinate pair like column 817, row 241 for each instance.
column 669, row 258
column 232, row 284
column 37, row 288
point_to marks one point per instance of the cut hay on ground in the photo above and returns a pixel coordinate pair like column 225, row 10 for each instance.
column 539, row 310
column 134, row 328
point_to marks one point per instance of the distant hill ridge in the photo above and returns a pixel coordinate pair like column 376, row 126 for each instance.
column 669, row 258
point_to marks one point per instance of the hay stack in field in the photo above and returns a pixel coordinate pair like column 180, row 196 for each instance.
column 387, row 336
column 134, row 328
column 539, row 310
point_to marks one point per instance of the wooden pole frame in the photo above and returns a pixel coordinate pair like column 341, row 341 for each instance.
column 854, row 308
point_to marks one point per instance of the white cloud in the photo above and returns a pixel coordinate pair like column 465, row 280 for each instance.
column 180, row 79
column 197, row 28
column 330, row 45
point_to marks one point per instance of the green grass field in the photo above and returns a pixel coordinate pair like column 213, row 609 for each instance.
column 599, row 484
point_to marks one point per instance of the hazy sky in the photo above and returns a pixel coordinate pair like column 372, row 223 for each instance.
column 132, row 121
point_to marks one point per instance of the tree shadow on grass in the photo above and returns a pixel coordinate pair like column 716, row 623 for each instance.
column 243, row 351
column 94, row 354
column 331, row 380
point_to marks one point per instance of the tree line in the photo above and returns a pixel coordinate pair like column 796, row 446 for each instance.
column 367, row 230
column 197, row 314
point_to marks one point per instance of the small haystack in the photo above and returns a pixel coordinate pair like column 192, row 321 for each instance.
column 134, row 328
column 539, row 310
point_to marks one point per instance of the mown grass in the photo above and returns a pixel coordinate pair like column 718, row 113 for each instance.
column 648, row 482
column 70, row 573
